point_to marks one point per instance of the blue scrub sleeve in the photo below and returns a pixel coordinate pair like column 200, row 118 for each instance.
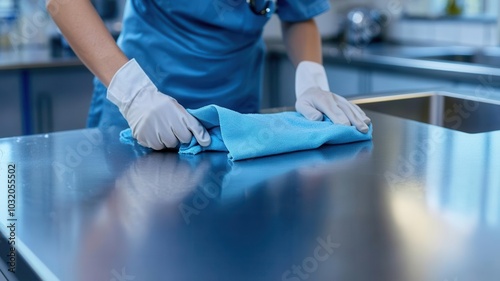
column 301, row 10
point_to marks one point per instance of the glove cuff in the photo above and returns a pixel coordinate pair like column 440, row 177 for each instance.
column 127, row 82
column 310, row 75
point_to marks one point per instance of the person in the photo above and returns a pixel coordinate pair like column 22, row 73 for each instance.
column 172, row 55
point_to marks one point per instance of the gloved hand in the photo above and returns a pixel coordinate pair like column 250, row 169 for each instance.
column 315, row 99
column 157, row 121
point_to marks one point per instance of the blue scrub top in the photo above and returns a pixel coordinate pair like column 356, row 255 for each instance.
column 199, row 51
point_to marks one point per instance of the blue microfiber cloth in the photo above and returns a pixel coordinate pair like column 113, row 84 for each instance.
column 254, row 135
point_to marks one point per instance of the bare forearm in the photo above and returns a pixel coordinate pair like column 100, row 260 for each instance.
column 302, row 41
column 88, row 36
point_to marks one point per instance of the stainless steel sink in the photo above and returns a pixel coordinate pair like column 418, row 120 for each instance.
column 466, row 114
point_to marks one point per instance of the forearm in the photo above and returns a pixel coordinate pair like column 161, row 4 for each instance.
column 88, row 37
column 302, row 41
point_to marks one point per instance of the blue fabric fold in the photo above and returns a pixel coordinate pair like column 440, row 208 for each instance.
column 246, row 136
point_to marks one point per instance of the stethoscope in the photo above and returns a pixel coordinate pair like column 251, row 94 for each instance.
column 268, row 9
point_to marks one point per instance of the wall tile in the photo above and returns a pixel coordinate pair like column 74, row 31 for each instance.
column 444, row 32
column 472, row 34
column 447, row 32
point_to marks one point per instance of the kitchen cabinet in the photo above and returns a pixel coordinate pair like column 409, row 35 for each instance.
column 42, row 100
column 10, row 104
column 383, row 82
column 344, row 80
column 484, row 88
column 286, row 92
column 60, row 98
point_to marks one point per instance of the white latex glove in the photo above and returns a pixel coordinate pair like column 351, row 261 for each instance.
column 315, row 99
column 157, row 120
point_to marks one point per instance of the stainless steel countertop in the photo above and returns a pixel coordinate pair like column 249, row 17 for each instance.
column 403, row 59
column 34, row 58
column 418, row 203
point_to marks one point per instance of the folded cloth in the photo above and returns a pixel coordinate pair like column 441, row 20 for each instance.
column 254, row 135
